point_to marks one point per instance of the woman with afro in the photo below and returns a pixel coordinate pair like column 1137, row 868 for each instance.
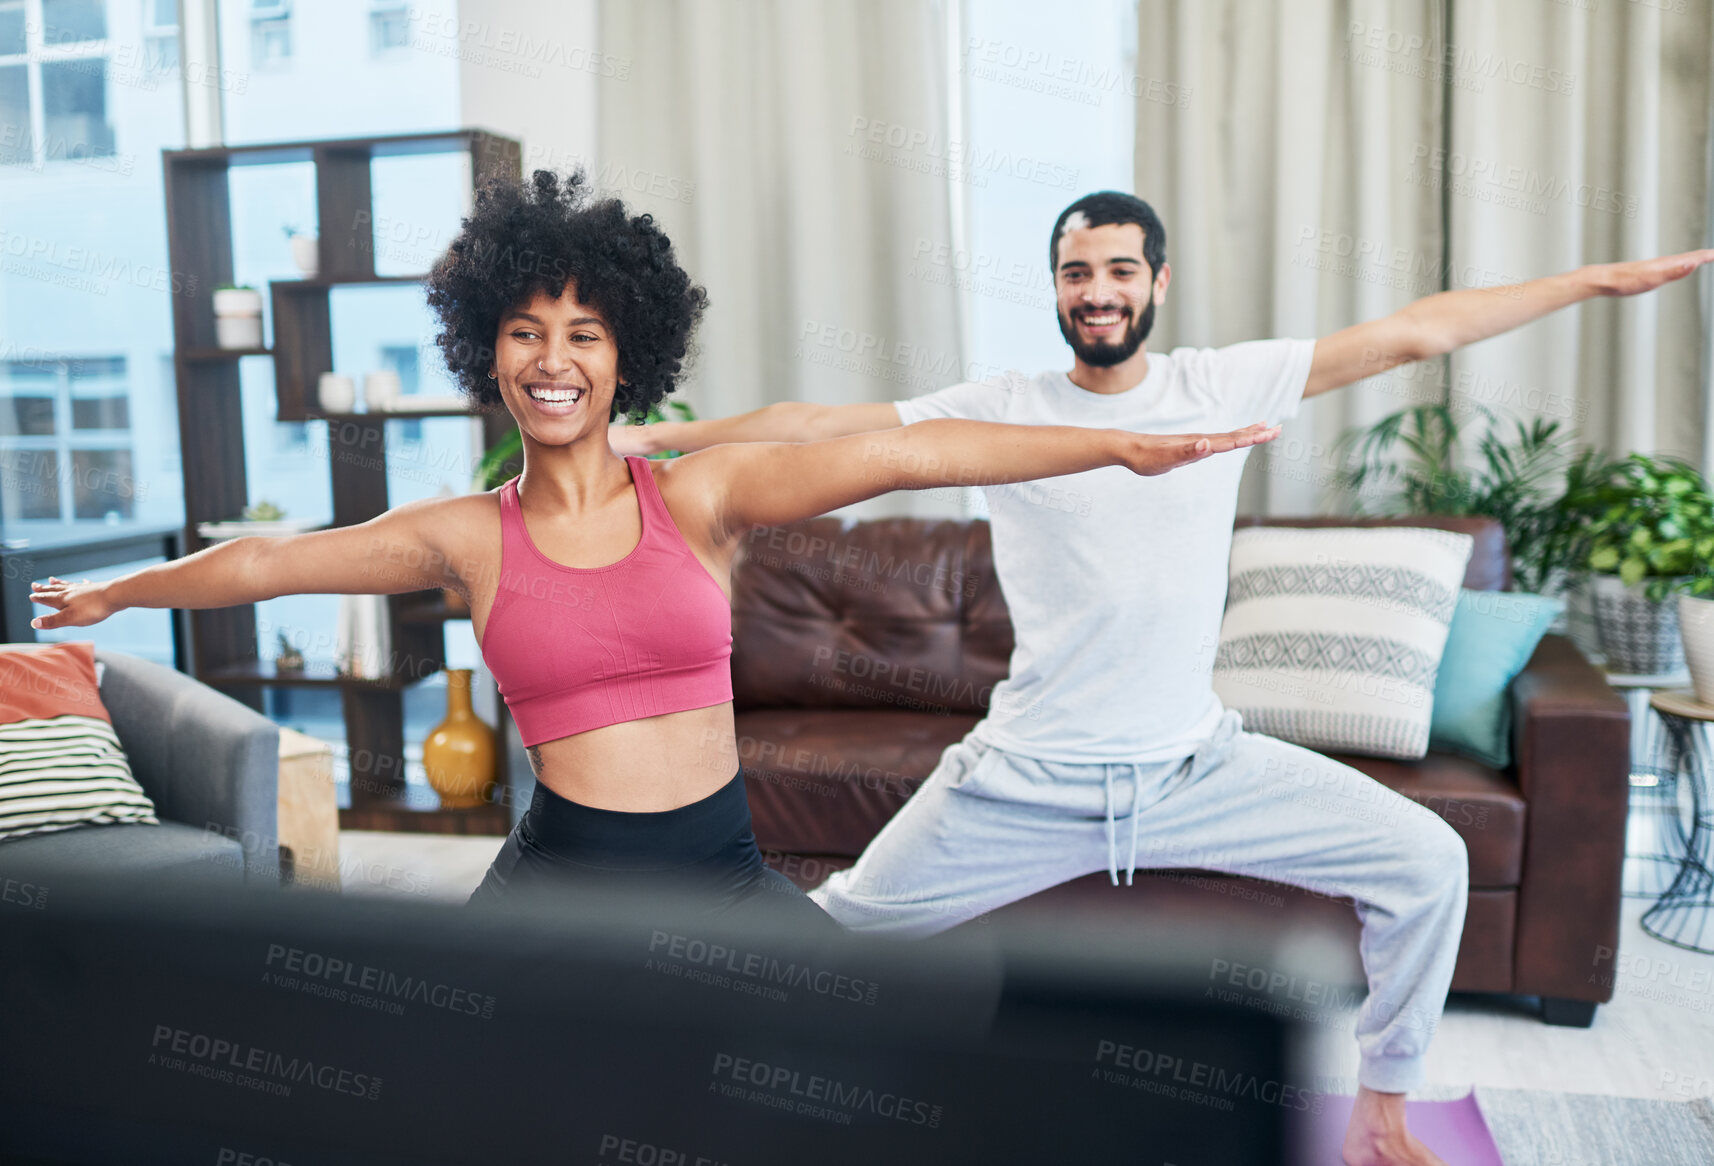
column 599, row 585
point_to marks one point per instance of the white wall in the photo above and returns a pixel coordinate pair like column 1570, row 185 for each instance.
column 527, row 69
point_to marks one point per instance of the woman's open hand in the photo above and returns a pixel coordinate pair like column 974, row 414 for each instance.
column 75, row 604
column 1155, row 454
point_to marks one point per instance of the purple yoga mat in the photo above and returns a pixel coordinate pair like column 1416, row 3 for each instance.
column 1455, row 1130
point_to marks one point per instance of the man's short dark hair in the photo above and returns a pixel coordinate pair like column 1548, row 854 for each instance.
column 1104, row 208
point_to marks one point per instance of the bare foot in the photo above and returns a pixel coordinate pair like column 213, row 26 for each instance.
column 1377, row 1135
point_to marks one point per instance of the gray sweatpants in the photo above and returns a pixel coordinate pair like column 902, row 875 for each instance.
column 989, row 827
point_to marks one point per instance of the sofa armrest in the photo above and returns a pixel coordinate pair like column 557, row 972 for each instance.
column 204, row 759
column 1572, row 741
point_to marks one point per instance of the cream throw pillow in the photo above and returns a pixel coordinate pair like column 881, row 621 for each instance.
column 1332, row 636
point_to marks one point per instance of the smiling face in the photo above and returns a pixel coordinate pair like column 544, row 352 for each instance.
column 1107, row 295
column 557, row 366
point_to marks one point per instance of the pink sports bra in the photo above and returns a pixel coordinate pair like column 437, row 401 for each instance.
column 578, row 648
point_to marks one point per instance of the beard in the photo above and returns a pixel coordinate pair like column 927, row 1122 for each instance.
column 1105, row 354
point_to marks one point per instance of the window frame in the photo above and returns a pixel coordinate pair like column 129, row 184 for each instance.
column 66, row 441
column 37, row 52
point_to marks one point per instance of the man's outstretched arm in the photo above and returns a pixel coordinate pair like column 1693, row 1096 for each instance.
column 1438, row 324
column 782, row 421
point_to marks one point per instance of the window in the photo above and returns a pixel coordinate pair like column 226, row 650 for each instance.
column 67, row 22
column 270, row 33
column 11, row 28
column 17, row 142
column 74, row 110
column 389, row 27
column 402, row 359
column 65, row 440
column 161, row 34
column 53, row 82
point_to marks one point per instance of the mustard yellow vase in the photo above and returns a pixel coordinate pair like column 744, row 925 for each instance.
column 458, row 756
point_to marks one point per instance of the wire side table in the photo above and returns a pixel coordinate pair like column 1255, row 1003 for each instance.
column 1684, row 914
column 1655, row 831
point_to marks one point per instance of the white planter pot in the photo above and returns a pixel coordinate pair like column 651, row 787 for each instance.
column 336, row 392
column 1696, row 625
column 381, row 390
column 238, row 331
column 1637, row 636
column 238, row 301
column 304, row 254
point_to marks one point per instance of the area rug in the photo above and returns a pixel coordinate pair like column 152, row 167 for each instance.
column 1578, row 1129
column 1523, row 1127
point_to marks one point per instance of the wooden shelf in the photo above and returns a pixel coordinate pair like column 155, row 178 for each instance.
column 318, row 281
column 198, row 198
column 432, row 611
column 314, row 676
column 502, row 150
column 207, row 355
column 407, row 818
column 388, row 415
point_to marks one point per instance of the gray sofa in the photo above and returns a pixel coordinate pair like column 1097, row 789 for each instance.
column 211, row 766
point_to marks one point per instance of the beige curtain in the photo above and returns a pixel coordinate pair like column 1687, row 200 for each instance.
column 794, row 152
column 1343, row 157
column 1607, row 161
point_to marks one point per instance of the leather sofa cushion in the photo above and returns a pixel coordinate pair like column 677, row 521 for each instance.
column 825, row 781
column 898, row 614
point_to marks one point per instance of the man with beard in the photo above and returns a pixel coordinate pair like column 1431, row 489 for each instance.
column 1107, row 726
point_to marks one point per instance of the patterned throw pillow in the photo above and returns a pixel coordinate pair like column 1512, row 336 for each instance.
column 1333, row 636
column 60, row 762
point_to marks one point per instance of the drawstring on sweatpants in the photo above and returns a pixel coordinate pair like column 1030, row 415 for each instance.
column 1136, row 815
column 1112, row 845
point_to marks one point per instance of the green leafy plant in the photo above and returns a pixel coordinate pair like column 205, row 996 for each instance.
column 504, row 459
column 263, row 511
column 1647, row 518
column 1415, row 462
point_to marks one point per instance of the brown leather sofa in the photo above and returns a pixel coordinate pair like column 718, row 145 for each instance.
column 861, row 650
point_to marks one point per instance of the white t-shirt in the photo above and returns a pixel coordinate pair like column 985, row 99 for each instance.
column 1116, row 582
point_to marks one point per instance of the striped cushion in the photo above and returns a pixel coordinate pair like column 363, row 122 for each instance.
column 60, row 772
column 1333, row 636
column 61, row 764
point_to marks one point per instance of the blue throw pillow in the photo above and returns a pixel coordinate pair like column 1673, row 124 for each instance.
column 1493, row 635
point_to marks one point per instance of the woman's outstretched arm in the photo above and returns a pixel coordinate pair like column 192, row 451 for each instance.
column 393, row 552
column 762, row 484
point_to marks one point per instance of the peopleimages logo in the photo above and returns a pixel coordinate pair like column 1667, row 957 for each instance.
column 1194, row 1081
column 349, row 982
column 814, row 1095
column 765, row 969
column 234, row 1062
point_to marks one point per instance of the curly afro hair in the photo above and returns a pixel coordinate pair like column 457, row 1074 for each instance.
column 541, row 237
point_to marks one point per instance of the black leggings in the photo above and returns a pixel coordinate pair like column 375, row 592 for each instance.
column 705, row 851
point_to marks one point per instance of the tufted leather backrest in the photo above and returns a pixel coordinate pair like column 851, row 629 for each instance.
column 906, row 613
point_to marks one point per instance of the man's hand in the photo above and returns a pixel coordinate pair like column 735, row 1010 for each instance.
column 1447, row 321
column 1644, row 275
column 1154, row 454
column 630, row 440
column 76, row 604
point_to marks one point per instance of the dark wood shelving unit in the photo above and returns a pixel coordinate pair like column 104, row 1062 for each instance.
column 223, row 649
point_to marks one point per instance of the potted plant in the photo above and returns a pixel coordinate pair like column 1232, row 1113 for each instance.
column 1647, row 536
column 237, row 316
column 1413, row 461
column 1696, row 631
column 304, row 251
